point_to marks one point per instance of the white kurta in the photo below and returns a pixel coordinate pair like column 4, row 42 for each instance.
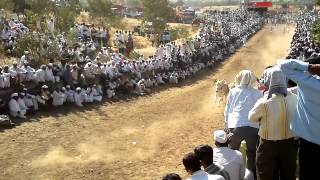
column 70, row 96
column 58, row 98
column 40, row 75
column 30, row 101
column 110, row 93
column 78, row 99
column 15, row 110
column 96, row 95
column 22, row 104
column 49, row 75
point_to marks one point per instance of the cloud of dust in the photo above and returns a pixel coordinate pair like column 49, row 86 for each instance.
column 278, row 39
column 118, row 145
column 135, row 143
column 87, row 153
column 262, row 50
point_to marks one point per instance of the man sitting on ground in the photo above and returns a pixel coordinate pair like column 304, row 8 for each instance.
column 193, row 167
column 205, row 155
column 14, row 107
column 230, row 159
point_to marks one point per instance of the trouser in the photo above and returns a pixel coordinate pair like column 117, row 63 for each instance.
column 250, row 135
column 20, row 114
column 276, row 156
column 308, row 158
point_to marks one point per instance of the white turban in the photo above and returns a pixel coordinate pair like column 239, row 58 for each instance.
column 245, row 78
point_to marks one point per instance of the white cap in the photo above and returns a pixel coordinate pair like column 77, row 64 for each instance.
column 44, row 87
column 220, row 136
column 68, row 86
column 14, row 95
column 78, row 89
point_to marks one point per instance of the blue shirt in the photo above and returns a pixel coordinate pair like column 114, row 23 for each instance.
column 306, row 123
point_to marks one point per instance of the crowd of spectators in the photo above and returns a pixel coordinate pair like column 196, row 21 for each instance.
column 275, row 117
column 108, row 74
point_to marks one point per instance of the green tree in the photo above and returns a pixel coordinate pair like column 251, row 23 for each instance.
column 315, row 30
column 19, row 6
column 101, row 11
column 37, row 11
column 158, row 13
column 40, row 7
column 100, row 8
column 133, row 3
column 179, row 3
column 66, row 14
column 6, row 4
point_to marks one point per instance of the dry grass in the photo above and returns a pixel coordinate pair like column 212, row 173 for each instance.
column 6, row 60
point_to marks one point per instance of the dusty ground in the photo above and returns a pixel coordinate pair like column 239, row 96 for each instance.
column 139, row 139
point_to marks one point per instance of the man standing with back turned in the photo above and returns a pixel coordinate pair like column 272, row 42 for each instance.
column 306, row 124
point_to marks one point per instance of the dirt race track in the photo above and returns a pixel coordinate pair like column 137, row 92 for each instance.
column 139, row 139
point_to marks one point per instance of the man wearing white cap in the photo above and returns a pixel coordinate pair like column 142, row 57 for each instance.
column 6, row 77
column 21, row 102
column 49, row 73
column 58, row 97
column 51, row 26
column 41, row 74
column 30, row 100
column 44, row 95
column 29, row 72
column 14, row 107
column 17, row 73
column 25, row 58
column 70, row 94
column 230, row 159
column 78, row 98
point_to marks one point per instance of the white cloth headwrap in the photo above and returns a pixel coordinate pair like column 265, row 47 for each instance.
column 246, row 79
column 277, row 82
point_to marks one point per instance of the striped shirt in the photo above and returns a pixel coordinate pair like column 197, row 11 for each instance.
column 274, row 116
column 218, row 170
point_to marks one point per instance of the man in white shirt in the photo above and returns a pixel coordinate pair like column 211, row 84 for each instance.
column 29, row 72
column 78, row 98
column 17, row 73
column 30, row 100
column 22, row 103
column 58, row 97
column 193, row 167
column 14, row 107
column 49, row 74
column 70, row 94
column 5, row 77
column 240, row 101
column 75, row 74
column 230, row 159
column 41, row 74
column 25, row 58
column 51, row 26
